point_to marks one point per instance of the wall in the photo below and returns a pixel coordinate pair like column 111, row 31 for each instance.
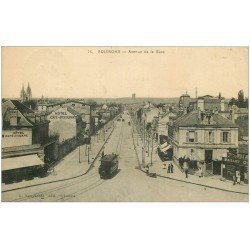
column 219, row 148
column 12, row 138
column 201, row 133
column 63, row 123
column 40, row 133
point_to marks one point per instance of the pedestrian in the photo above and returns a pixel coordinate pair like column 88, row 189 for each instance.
column 169, row 167
column 238, row 177
column 172, row 168
column 234, row 179
column 200, row 173
column 186, row 171
column 147, row 169
column 102, row 153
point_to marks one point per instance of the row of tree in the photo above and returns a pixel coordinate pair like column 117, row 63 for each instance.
column 240, row 102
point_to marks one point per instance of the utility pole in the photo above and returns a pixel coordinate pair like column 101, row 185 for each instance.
column 79, row 155
column 148, row 143
column 88, row 156
column 143, row 147
column 86, row 150
column 152, row 148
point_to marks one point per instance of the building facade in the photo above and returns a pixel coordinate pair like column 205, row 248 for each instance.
column 202, row 137
column 22, row 126
column 65, row 122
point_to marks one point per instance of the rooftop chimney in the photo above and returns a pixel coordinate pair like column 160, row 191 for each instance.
column 13, row 117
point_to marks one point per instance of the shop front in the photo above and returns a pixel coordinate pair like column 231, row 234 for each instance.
column 235, row 163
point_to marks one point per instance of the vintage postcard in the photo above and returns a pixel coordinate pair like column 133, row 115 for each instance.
column 124, row 124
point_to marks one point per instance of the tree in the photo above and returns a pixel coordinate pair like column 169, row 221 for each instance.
column 246, row 102
column 241, row 100
column 232, row 101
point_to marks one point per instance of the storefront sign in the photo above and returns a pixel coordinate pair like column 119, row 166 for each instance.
column 61, row 115
column 12, row 138
column 236, row 160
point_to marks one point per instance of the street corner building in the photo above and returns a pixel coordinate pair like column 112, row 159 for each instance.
column 24, row 137
column 204, row 138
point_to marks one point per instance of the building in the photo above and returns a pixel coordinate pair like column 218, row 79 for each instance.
column 203, row 137
column 133, row 96
column 210, row 103
column 186, row 101
column 163, row 127
column 26, row 95
column 66, row 123
column 24, row 137
column 204, row 103
column 22, row 126
column 81, row 108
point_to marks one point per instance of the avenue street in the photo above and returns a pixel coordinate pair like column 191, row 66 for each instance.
column 128, row 184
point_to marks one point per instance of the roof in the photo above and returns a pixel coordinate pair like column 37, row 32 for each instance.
column 21, row 162
column 64, row 102
column 21, row 107
column 242, row 111
column 25, row 113
column 166, row 117
column 149, row 105
column 205, row 96
column 191, row 120
column 109, row 157
column 152, row 114
column 69, row 109
column 72, row 111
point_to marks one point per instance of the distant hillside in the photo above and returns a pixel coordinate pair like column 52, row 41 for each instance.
column 127, row 100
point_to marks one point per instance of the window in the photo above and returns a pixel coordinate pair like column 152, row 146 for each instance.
column 191, row 136
column 210, row 136
column 225, row 137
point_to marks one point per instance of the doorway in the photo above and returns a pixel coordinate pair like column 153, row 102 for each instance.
column 208, row 156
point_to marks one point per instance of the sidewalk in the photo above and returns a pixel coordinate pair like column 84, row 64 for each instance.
column 69, row 167
column 157, row 167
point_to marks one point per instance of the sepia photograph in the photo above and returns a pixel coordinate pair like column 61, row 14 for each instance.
column 125, row 124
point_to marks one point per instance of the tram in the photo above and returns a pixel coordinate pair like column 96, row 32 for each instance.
column 108, row 166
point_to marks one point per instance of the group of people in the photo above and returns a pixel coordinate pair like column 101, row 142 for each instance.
column 170, row 168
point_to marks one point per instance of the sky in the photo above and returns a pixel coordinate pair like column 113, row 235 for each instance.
column 85, row 72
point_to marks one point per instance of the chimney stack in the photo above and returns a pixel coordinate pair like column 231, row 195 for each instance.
column 13, row 117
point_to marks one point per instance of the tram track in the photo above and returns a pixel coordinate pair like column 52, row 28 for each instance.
column 99, row 181
column 38, row 194
column 65, row 179
column 73, row 183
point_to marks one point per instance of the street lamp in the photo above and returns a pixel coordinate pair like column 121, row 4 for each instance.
column 88, row 155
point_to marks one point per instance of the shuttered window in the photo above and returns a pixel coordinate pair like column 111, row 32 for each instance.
column 211, row 136
column 229, row 137
column 196, row 137
column 206, row 136
column 225, row 137
column 191, row 136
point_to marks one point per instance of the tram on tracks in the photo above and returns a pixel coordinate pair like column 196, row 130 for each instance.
column 108, row 166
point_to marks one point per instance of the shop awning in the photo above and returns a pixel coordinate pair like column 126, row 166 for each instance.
column 21, row 162
column 165, row 144
column 166, row 148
